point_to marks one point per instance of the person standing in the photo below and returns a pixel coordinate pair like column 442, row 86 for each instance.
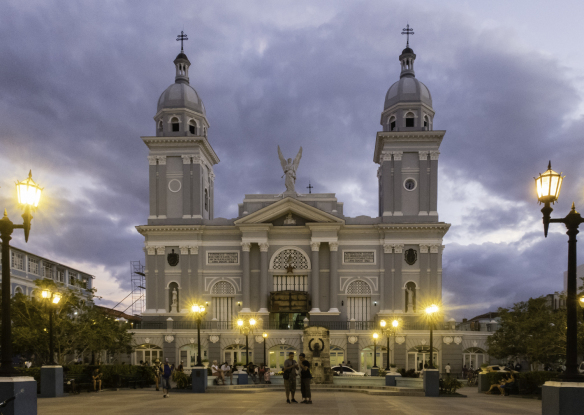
column 290, row 366
column 305, row 379
column 447, row 369
column 166, row 374
column 157, row 371
column 341, row 368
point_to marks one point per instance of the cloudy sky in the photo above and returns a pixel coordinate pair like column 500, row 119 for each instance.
column 79, row 82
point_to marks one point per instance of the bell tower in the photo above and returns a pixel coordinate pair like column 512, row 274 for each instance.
column 181, row 158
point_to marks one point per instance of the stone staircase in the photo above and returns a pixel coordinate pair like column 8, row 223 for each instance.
column 371, row 390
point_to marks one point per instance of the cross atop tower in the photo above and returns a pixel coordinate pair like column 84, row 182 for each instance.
column 408, row 31
column 309, row 187
column 183, row 37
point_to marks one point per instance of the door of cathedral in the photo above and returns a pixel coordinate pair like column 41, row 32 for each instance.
column 358, row 308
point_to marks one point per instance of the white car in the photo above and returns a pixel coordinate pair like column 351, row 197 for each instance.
column 581, row 368
column 347, row 371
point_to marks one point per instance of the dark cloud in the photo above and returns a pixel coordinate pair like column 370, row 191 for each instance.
column 80, row 82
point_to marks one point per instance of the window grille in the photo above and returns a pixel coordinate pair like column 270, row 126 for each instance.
column 72, row 278
column 223, row 287
column 290, row 256
column 47, row 271
column 222, row 308
column 359, row 287
column 33, row 265
column 61, row 276
column 17, row 261
column 290, row 283
column 358, row 308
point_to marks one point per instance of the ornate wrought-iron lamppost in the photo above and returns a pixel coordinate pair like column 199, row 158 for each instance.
column 548, row 186
column 389, row 331
column 199, row 312
column 431, row 313
column 265, row 336
column 246, row 328
column 29, row 196
column 53, row 298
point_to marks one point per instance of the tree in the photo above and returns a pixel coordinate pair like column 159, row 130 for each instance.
column 531, row 330
column 77, row 326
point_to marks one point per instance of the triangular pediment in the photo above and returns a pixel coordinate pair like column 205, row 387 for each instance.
column 281, row 208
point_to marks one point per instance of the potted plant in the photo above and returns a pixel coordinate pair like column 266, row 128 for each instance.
column 392, row 368
column 239, row 366
column 205, row 362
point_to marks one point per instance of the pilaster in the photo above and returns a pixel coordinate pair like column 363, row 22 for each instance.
column 398, row 294
column 388, row 279
column 434, row 183
column 264, row 277
column 161, row 186
column 334, row 277
column 187, row 186
column 245, row 283
column 397, row 183
column 424, row 190
column 315, row 277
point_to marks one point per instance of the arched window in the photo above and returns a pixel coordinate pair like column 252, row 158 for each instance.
column 175, row 124
column 206, row 200
column 18, row 290
column 419, row 358
column 358, row 301
column 410, row 119
column 222, row 302
column 147, row 353
column 188, row 354
column 288, row 257
column 205, row 131
column 223, row 288
column 278, row 354
column 236, row 354
column 474, row 357
column 391, row 123
column 193, row 127
column 426, row 123
column 337, row 356
column 160, row 126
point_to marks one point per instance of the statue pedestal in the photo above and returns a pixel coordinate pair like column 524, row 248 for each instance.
column 24, row 388
column 51, row 381
column 562, row 398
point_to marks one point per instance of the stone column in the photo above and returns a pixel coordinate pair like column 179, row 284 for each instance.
column 315, row 276
column 386, row 185
column 187, row 187
column 334, row 277
column 161, row 280
column 151, row 279
column 388, row 284
column 185, row 277
column 424, row 190
column 434, row 183
column 245, row 283
column 433, row 271
column 152, row 184
column 196, row 283
column 424, row 291
column 397, row 183
column 398, row 293
column 264, row 277
column 161, row 178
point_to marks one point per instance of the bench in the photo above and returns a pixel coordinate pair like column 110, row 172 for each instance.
column 134, row 381
column 73, row 383
column 511, row 389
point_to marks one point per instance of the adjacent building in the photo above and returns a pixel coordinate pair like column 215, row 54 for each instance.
column 294, row 259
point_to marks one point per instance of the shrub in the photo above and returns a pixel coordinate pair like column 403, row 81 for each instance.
column 382, row 372
column 409, row 374
column 527, row 382
column 449, row 385
column 183, row 381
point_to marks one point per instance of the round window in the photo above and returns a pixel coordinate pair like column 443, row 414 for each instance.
column 174, row 185
column 410, row 184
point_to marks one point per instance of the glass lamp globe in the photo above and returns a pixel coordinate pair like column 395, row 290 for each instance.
column 395, row 323
column 548, row 185
column 46, row 293
column 56, row 298
column 28, row 192
column 382, row 323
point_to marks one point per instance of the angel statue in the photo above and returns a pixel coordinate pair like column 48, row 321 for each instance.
column 290, row 168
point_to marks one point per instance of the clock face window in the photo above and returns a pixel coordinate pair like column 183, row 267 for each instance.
column 410, row 184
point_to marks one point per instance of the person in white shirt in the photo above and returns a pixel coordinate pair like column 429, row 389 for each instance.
column 447, row 369
column 226, row 369
column 217, row 372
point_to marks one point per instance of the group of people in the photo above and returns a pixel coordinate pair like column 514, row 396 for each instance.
column 163, row 372
column 291, row 368
column 505, row 383
column 258, row 374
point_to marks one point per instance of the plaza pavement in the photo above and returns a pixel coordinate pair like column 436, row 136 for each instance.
column 148, row 401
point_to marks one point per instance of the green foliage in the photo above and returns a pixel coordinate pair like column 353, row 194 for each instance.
column 78, row 328
column 449, row 385
column 409, row 374
column 381, row 372
column 532, row 330
column 183, row 381
column 527, row 382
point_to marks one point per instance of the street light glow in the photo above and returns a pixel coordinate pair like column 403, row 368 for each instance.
column 548, row 185
column 252, row 322
column 375, row 336
column 28, row 192
column 432, row 309
column 265, row 335
column 46, row 293
column 56, row 298
column 395, row 323
column 382, row 323
column 240, row 322
column 195, row 308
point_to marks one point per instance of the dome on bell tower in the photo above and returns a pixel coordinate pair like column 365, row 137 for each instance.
column 181, row 94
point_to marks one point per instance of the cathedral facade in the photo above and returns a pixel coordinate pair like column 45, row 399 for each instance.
column 292, row 260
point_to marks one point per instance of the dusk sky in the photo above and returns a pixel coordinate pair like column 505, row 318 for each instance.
column 79, row 83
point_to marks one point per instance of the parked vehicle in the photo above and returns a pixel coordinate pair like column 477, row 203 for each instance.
column 347, row 371
column 581, row 368
column 498, row 369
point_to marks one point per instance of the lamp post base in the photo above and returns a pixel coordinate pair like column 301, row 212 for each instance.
column 374, row 371
column 431, row 382
column 199, row 380
column 51, row 381
column 562, row 398
column 24, row 389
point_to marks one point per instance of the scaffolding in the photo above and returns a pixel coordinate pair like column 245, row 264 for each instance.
column 138, row 280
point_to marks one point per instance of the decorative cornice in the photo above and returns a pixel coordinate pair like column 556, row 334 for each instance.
column 315, row 246
column 387, row 248
column 434, row 155
column 334, row 246
column 194, row 249
column 184, row 250
column 146, row 229
column 434, row 249
column 423, row 155
column 397, row 155
column 152, row 160
column 161, row 160
column 386, row 155
column 415, row 227
column 186, row 158
column 151, row 250
column 245, row 246
column 264, row 247
column 398, row 248
column 423, row 249
column 158, row 142
column 160, row 250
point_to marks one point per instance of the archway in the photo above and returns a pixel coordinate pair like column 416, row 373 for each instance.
column 474, row 357
column 419, row 358
column 277, row 355
column 236, row 354
column 146, row 353
column 337, row 356
column 188, row 354
column 366, row 360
